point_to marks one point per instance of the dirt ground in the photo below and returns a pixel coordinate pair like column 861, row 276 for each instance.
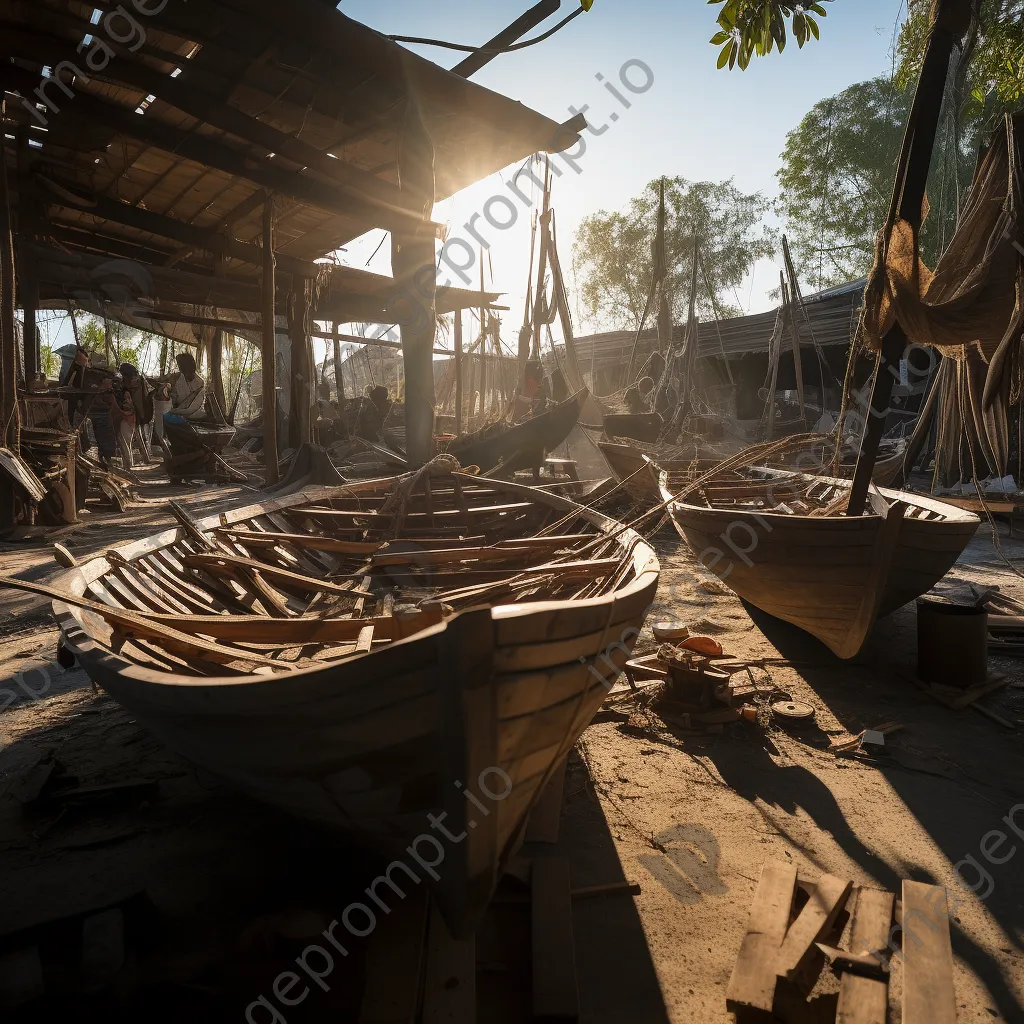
column 690, row 817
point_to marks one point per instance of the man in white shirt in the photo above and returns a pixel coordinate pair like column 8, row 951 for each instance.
column 188, row 393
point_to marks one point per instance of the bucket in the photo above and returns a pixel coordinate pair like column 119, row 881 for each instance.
column 952, row 644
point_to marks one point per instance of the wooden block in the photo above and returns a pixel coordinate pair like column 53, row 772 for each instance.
column 812, row 924
column 450, row 989
column 555, row 995
column 394, row 964
column 865, row 1000
column 546, row 816
column 928, row 994
column 752, row 985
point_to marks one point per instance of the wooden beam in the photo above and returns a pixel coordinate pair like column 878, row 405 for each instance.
column 865, row 1000
column 491, row 49
column 217, row 356
column 268, row 363
column 210, row 152
column 180, row 92
column 555, row 990
column 66, row 196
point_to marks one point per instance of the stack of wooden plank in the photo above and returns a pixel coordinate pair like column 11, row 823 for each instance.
column 796, row 927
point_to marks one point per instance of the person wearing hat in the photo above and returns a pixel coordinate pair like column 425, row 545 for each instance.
column 188, row 391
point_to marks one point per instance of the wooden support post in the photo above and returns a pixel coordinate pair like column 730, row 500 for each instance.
column 301, row 364
column 450, row 985
column 8, row 342
column 269, row 348
column 413, row 264
column 458, row 372
column 28, row 282
column 774, row 351
column 339, row 375
column 906, row 205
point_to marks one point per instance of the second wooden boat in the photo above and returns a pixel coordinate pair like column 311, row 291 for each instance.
column 523, row 445
column 780, row 540
column 369, row 655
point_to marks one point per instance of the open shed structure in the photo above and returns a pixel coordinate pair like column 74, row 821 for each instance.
column 190, row 168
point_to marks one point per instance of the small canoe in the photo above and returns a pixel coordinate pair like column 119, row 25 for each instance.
column 780, row 540
column 522, row 445
column 367, row 655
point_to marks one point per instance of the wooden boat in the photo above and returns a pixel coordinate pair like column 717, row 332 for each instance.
column 634, row 469
column 356, row 654
column 780, row 540
column 522, row 445
column 628, row 459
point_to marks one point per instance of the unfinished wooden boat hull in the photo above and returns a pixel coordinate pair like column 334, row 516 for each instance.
column 834, row 575
column 486, row 703
column 523, row 445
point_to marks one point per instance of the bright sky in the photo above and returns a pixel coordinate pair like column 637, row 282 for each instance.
column 694, row 121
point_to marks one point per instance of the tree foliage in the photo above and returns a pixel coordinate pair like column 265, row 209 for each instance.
column 837, row 176
column 613, row 251
column 748, row 27
column 992, row 66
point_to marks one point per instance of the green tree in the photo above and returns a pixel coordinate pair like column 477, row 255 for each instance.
column 613, row 251
column 49, row 363
column 749, row 27
column 990, row 74
column 837, row 176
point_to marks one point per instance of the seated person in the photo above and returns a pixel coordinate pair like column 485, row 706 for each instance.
column 188, row 390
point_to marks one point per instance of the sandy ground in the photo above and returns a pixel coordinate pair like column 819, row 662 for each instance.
column 689, row 817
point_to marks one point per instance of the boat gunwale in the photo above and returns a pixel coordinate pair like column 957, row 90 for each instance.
column 952, row 515
column 81, row 642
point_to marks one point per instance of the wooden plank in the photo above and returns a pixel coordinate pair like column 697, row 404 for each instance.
column 865, row 1000
column 555, row 993
column 546, row 816
column 928, row 993
column 812, row 925
column 752, row 985
column 394, row 964
column 216, row 561
column 450, row 987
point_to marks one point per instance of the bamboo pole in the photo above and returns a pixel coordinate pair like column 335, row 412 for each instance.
column 8, row 343
column 458, row 372
column 269, row 347
column 339, row 372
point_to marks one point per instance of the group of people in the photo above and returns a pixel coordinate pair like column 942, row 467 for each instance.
column 125, row 404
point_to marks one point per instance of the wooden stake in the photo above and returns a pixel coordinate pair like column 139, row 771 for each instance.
column 788, row 316
column 28, row 283
column 269, row 347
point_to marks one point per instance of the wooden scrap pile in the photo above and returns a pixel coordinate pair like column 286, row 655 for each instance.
column 796, row 927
